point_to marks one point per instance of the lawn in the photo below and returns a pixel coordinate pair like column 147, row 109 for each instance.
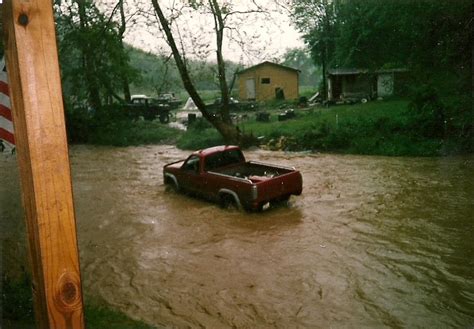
column 377, row 128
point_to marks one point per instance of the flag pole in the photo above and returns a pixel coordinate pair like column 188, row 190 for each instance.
column 42, row 152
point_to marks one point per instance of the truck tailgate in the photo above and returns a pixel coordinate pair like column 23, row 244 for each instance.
column 280, row 186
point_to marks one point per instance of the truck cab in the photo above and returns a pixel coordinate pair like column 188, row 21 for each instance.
column 222, row 174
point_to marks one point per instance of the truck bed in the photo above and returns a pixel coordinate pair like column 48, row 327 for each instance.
column 253, row 171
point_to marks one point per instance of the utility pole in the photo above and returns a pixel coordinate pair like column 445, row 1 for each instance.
column 42, row 151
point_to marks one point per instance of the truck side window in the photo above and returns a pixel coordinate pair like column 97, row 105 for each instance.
column 234, row 156
column 222, row 159
column 213, row 161
column 192, row 164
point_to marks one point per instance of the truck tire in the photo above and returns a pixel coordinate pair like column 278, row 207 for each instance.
column 227, row 201
column 283, row 201
column 164, row 117
column 171, row 185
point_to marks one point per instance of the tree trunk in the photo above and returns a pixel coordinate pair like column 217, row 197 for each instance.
column 222, row 123
column 87, row 62
column 219, row 28
column 123, row 27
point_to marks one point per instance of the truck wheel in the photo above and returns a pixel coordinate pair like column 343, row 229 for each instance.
column 283, row 201
column 171, row 185
column 165, row 118
column 228, row 202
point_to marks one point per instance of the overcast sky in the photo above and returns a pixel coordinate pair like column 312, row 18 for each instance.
column 266, row 37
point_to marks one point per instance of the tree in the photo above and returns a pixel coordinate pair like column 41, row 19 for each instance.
column 220, row 14
column 93, row 59
column 316, row 19
column 121, row 32
column 431, row 39
column 377, row 33
column 301, row 59
column 428, row 37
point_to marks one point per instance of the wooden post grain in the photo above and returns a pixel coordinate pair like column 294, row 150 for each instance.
column 38, row 113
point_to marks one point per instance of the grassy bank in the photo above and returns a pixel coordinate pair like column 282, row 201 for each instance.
column 376, row 128
column 111, row 127
column 426, row 126
column 17, row 310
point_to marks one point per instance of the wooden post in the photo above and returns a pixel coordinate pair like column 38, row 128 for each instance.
column 35, row 87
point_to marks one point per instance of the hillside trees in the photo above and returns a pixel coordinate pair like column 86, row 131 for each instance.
column 301, row 59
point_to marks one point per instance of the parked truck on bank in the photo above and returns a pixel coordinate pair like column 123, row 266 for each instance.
column 148, row 108
column 222, row 174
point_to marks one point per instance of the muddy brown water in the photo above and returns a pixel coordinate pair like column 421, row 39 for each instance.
column 372, row 242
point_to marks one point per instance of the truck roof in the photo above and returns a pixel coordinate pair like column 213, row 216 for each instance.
column 216, row 149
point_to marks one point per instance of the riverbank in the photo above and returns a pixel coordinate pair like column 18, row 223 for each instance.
column 17, row 309
column 391, row 128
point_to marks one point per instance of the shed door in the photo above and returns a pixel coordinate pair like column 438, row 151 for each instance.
column 385, row 85
column 250, row 88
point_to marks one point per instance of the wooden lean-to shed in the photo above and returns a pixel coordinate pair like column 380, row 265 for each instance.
column 362, row 83
column 267, row 81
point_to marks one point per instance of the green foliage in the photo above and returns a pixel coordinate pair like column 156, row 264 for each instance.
column 195, row 139
column 93, row 60
column 430, row 38
column 159, row 74
column 426, row 113
column 16, row 299
column 17, row 309
column 381, row 128
column 99, row 316
column 382, row 34
column 301, row 60
column 111, row 126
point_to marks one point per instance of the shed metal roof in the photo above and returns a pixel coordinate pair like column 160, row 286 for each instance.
column 268, row 63
column 354, row 71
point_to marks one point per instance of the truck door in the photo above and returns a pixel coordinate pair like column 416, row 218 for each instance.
column 191, row 179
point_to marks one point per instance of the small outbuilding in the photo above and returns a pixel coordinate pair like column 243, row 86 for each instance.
column 268, row 81
column 364, row 84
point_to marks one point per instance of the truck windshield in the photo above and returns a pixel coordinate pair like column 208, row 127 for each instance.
column 223, row 159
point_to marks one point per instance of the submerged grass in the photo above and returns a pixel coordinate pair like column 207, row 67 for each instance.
column 17, row 310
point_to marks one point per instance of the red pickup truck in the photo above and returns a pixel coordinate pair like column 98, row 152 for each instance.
column 222, row 174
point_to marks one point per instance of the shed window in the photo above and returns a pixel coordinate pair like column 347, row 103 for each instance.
column 265, row 81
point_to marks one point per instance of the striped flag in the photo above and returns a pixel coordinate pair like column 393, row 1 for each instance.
column 6, row 120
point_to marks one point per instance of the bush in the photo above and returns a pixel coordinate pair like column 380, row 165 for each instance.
column 111, row 126
column 17, row 299
column 195, row 139
column 426, row 114
column 17, row 307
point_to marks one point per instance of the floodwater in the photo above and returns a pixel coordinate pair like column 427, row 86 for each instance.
column 373, row 242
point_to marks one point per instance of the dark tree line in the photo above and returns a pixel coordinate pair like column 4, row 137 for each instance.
column 429, row 37
column 94, row 62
